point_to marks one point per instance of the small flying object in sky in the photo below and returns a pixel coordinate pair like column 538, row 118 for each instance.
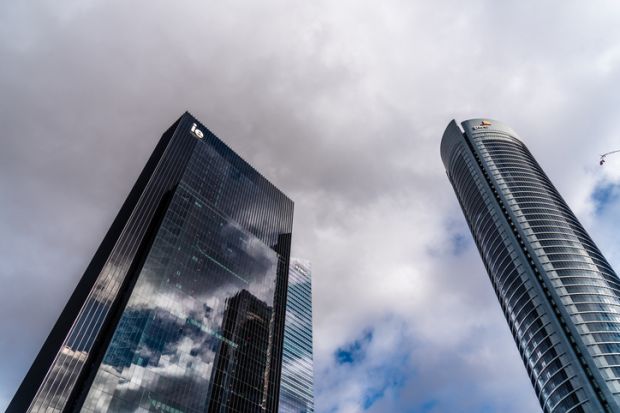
column 605, row 154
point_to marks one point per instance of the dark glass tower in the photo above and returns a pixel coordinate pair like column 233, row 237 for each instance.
column 559, row 294
column 182, row 308
column 297, row 389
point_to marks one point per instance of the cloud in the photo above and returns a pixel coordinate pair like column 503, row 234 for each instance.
column 340, row 104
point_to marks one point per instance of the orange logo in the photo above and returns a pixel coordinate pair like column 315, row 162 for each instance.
column 483, row 125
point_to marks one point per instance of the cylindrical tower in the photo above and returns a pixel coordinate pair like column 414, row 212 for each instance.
column 560, row 296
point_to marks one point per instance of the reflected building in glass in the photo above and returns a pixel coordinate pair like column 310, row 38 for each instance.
column 558, row 293
column 297, row 388
column 182, row 308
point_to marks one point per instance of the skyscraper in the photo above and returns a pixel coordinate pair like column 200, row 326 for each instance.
column 182, row 308
column 558, row 293
column 296, row 389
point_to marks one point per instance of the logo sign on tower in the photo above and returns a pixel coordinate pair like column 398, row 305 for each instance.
column 483, row 125
column 197, row 132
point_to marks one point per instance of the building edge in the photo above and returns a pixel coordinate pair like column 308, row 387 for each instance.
column 42, row 362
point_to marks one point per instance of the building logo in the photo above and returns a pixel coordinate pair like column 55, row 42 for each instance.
column 197, row 132
column 483, row 125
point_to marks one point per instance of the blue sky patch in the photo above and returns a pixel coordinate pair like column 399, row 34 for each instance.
column 604, row 195
column 393, row 378
column 428, row 406
column 354, row 351
column 372, row 396
column 460, row 243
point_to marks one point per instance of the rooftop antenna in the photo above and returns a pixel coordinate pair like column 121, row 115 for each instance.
column 605, row 154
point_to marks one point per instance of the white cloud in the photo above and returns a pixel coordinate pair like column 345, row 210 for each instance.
column 342, row 105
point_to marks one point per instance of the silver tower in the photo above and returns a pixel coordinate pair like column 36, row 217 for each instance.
column 560, row 296
column 296, row 386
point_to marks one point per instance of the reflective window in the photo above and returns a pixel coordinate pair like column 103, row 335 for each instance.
column 198, row 333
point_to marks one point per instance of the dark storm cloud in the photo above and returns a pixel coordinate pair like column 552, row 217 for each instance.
column 341, row 105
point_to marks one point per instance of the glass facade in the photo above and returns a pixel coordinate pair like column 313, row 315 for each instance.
column 296, row 388
column 186, row 311
column 559, row 295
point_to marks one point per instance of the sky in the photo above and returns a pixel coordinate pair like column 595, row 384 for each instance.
column 342, row 105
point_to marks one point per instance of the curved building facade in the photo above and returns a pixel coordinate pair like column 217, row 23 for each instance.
column 560, row 296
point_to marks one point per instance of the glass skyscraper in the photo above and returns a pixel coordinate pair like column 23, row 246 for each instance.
column 558, row 293
column 296, row 389
column 182, row 308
